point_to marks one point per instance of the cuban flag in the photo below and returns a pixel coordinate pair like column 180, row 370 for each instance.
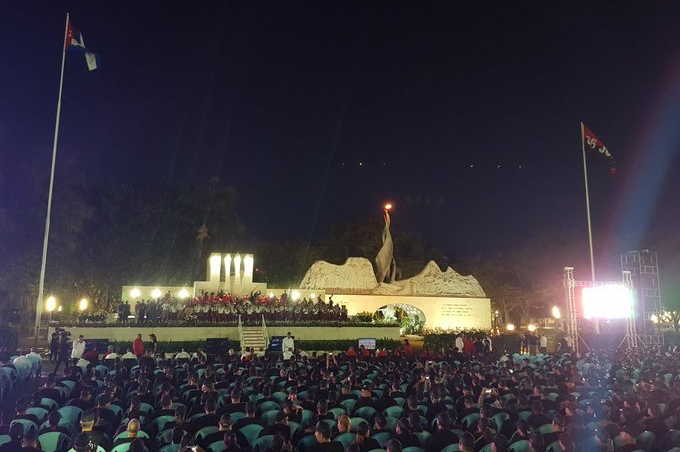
column 75, row 41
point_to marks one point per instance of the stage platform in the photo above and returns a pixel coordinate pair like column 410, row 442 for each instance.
column 200, row 333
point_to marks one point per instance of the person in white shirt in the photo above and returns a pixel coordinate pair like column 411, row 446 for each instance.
column 459, row 343
column 544, row 343
column 36, row 361
column 129, row 355
column 78, row 349
column 288, row 346
column 182, row 355
column 110, row 354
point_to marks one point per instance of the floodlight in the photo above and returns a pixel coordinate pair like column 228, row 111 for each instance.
column 135, row 293
column 183, row 293
column 312, row 295
column 556, row 313
column 50, row 303
column 295, row 296
column 156, row 293
column 270, row 294
column 531, row 327
column 510, row 327
column 82, row 304
column 608, row 301
column 215, row 264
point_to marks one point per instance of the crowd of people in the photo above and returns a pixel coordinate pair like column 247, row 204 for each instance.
column 226, row 308
column 357, row 401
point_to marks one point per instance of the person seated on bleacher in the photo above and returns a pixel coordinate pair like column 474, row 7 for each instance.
column 29, row 442
column 129, row 356
column 393, row 445
column 110, row 353
column 292, row 411
column 466, row 442
column 209, row 418
column 322, row 434
column 364, row 440
column 97, row 437
column 52, row 424
column 16, row 433
column 223, row 426
column 166, row 407
column 251, row 417
column 404, row 434
column 21, row 407
column 442, row 435
column 84, row 402
column 380, row 424
column 234, row 404
column 132, row 434
column 366, row 398
column 106, row 419
column 280, row 427
column 49, row 390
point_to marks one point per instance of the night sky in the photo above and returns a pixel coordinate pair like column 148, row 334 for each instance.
column 467, row 119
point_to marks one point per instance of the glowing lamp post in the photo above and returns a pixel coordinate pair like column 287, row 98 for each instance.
column 83, row 304
column 556, row 313
column 50, row 305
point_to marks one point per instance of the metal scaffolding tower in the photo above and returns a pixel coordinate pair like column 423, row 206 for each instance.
column 645, row 281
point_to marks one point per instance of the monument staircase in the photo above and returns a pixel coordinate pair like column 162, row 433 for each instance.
column 253, row 336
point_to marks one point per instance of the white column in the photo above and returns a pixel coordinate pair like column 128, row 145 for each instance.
column 214, row 267
column 237, row 275
column 248, row 262
column 227, row 272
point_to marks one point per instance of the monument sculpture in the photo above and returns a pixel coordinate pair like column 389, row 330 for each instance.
column 385, row 263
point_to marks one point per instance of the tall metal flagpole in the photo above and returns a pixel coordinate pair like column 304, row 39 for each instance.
column 41, row 283
column 585, row 180
column 590, row 228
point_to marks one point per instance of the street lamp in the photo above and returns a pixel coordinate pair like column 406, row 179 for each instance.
column 50, row 304
column 82, row 304
column 556, row 313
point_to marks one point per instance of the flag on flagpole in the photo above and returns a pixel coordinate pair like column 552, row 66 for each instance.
column 75, row 41
column 593, row 143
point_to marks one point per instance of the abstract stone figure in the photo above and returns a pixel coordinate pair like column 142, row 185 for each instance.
column 386, row 267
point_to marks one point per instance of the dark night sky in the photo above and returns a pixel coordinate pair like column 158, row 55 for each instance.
column 286, row 99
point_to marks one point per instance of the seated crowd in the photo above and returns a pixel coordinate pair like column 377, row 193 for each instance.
column 404, row 400
column 226, row 308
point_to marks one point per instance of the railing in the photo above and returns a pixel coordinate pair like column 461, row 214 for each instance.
column 265, row 333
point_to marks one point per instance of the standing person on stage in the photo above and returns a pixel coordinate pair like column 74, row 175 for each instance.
column 64, row 351
column 154, row 343
column 138, row 346
column 54, row 346
column 288, row 346
column 78, row 349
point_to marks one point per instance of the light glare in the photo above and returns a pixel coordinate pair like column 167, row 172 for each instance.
column 156, row 293
column 135, row 293
column 531, row 327
column 556, row 313
column 183, row 293
column 609, row 301
column 50, row 303
column 510, row 327
column 295, row 296
column 83, row 304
